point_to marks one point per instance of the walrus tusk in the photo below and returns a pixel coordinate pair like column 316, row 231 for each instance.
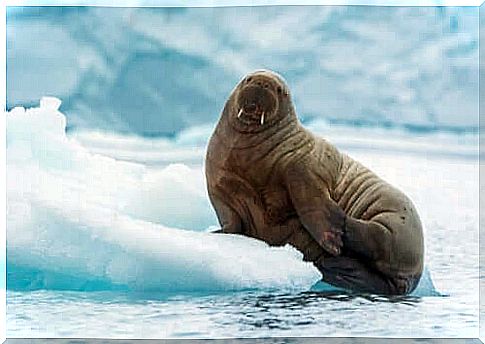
column 262, row 119
column 239, row 114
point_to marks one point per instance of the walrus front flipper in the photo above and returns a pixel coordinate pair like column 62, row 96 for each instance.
column 229, row 220
column 318, row 213
column 352, row 274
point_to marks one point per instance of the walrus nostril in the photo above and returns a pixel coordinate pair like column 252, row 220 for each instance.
column 250, row 107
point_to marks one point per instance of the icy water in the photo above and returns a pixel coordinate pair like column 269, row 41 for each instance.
column 241, row 314
column 80, row 221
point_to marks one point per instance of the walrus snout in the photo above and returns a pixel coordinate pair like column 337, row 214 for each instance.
column 256, row 103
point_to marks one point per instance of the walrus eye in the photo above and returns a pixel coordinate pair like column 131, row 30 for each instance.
column 279, row 90
column 249, row 79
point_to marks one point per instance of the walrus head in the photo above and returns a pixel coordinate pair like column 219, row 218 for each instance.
column 259, row 100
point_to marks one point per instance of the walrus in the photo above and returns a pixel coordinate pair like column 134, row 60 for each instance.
column 270, row 178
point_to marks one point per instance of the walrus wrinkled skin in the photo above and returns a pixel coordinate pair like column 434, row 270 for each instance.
column 271, row 179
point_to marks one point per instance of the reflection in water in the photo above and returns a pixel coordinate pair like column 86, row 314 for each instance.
column 285, row 311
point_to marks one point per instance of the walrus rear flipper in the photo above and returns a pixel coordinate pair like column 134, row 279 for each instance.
column 352, row 274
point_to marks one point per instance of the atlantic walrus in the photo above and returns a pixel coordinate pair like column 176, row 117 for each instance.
column 271, row 179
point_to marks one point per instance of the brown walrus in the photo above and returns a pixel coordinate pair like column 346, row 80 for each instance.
column 271, row 179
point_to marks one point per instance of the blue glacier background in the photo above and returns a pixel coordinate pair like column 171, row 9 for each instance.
column 109, row 113
column 156, row 71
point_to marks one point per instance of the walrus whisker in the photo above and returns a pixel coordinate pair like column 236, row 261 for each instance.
column 262, row 119
column 240, row 113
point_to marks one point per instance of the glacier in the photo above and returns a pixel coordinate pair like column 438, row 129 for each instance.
column 159, row 71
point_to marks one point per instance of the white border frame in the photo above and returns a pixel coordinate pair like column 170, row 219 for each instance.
column 152, row 3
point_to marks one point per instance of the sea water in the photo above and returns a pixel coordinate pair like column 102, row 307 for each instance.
column 108, row 236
